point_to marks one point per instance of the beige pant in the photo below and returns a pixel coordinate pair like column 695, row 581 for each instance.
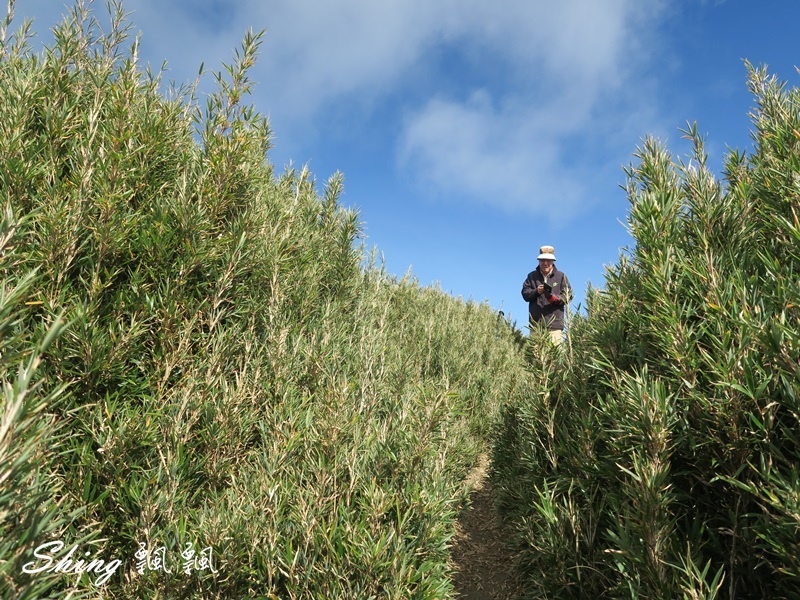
column 556, row 335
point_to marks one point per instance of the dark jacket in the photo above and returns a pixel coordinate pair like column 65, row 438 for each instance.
column 550, row 314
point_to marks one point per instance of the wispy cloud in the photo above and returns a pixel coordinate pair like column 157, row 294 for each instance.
column 492, row 156
column 578, row 83
column 570, row 69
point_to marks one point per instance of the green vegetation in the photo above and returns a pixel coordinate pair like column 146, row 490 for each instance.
column 658, row 458
column 195, row 349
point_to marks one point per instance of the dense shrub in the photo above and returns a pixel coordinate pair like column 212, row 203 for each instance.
column 233, row 372
column 658, row 458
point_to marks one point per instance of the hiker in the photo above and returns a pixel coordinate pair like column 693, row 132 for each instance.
column 547, row 290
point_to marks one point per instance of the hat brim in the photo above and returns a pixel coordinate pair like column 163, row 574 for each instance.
column 547, row 256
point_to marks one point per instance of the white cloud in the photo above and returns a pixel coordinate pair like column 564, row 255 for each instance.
column 569, row 64
column 471, row 149
column 515, row 149
column 318, row 51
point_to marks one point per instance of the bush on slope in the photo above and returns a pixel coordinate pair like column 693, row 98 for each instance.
column 658, row 459
column 236, row 379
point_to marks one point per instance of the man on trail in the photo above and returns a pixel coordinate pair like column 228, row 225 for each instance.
column 547, row 290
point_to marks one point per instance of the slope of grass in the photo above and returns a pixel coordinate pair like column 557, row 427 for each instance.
column 233, row 372
column 659, row 458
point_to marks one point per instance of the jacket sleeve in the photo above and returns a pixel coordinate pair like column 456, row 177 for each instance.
column 529, row 293
column 566, row 290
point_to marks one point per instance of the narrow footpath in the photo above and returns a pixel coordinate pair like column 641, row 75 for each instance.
column 482, row 563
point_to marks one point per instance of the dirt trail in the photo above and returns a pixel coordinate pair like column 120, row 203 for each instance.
column 482, row 563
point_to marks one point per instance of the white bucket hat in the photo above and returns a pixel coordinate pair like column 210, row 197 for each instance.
column 547, row 252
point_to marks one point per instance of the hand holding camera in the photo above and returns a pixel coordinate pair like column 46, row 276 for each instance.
column 547, row 291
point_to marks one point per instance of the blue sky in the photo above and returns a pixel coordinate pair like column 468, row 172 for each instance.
column 470, row 132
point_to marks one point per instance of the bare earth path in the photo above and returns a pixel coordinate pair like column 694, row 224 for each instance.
column 482, row 563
